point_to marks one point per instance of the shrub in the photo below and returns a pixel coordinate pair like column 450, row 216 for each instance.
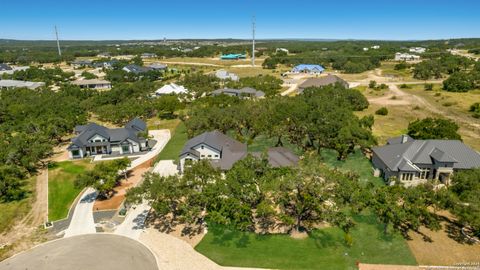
column 459, row 82
column 383, row 86
column 475, row 109
column 449, row 103
column 428, row 86
column 372, row 84
column 382, row 111
column 405, row 86
column 438, row 94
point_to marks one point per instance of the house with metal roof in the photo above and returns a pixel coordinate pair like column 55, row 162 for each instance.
column 93, row 84
column 223, row 152
column 246, row 92
column 148, row 55
column 413, row 162
column 171, row 88
column 307, row 68
column 233, row 56
column 82, row 63
column 5, row 67
column 93, row 139
column 158, row 66
column 321, row 82
column 8, row 84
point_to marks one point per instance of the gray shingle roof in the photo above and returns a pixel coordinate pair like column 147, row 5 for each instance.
column 246, row 91
column 136, row 69
column 130, row 131
column 5, row 67
column 231, row 150
column 426, row 152
column 322, row 81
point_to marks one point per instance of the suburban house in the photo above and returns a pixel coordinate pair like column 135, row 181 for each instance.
column 148, row 55
column 5, row 67
column 171, row 88
column 282, row 50
column 158, row 66
column 233, row 56
column 417, row 50
column 416, row 161
column 309, row 69
column 136, row 69
column 406, row 57
column 223, row 151
column 322, row 81
column 105, row 64
column 225, row 75
column 104, row 55
column 82, row 63
column 375, row 47
column 93, row 84
column 245, row 92
column 93, row 139
column 19, row 84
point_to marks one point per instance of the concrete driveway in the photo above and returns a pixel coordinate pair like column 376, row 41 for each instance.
column 82, row 220
column 165, row 168
column 134, row 222
column 162, row 137
column 92, row 252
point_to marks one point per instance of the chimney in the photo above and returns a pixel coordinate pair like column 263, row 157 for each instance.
column 404, row 138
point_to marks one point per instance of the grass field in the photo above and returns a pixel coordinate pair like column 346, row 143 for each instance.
column 176, row 143
column 157, row 123
column 356, row 162
column 61, row 191
column 323, row 249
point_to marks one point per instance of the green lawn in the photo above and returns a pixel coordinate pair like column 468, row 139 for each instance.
column 324, row 249
column 356, row 162
column 176, row 143
column 61, row 191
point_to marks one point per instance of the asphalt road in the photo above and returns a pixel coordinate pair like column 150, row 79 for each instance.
column 92, row 252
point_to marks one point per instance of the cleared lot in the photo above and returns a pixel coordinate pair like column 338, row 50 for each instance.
column 92, row 252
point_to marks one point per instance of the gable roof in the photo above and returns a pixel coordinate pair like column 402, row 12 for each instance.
column 239, row 92
column 231, row 150
column 279, row 157
column 308, row 67
column 137, row 124
column 428, row 152
column 171, row 88
column 4, row 67
column 19, row 84
column 323, row 81
column 136, row 69
column 90, row 82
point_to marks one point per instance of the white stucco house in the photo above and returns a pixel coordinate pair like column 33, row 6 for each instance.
column 171, row 88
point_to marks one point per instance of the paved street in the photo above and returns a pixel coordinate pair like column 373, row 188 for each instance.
column 92, row 252
column 82, row 220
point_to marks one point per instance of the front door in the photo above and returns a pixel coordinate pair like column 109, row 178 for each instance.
column 99, row 150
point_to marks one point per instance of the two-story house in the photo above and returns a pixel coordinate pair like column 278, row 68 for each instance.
column 93, row 139
column 417, row 161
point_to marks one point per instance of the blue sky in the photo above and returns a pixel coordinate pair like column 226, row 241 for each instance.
column 148, row 19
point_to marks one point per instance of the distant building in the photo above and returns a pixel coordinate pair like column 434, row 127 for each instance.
column 310, row 69
column 158, row 66
column 223, row 152
column 93, row 84
column 136, row 69
column 225, row 75
column 282, row 50
column 6, row 69
column 171, row 88
column 414, row 162
column 322, row 81
column 417, row 50
column 7, row 84
column 375, row 47
column 245, row 92
column 233, row 56
column 406, row 57
column 104, row 55
column 82, row 63
column 365, row 49
column 148, row 55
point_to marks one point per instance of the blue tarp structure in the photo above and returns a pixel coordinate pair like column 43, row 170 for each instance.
column 233, row 56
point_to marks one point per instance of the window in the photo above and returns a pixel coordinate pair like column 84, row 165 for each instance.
column 202, row 147
column 126, row 148
column 407, row 176
column 424, row 174
column 209, row 156
column 75, row 153
column 216, row 155
column 202, row 155
column 98, row 140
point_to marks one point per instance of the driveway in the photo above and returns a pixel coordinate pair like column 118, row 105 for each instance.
column 165, row 168
column 82, row 220
column 134, row 222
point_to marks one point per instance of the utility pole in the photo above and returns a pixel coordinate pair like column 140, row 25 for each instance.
column 253, row 41
column 58, row 42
